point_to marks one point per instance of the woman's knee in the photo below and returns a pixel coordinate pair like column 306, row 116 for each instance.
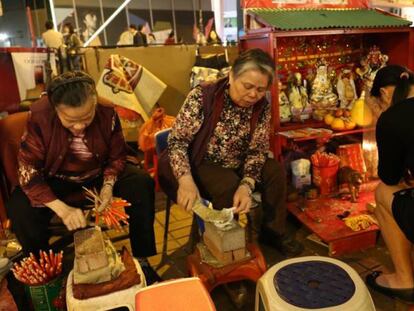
column 274, row 172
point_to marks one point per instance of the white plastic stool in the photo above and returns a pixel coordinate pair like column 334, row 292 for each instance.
column 312, row 283
column 122, row 298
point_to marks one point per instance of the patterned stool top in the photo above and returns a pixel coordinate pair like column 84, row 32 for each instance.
column 314, row 284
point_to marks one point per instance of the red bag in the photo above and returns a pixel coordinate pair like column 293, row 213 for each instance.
column 352, row 155
column 158, row 121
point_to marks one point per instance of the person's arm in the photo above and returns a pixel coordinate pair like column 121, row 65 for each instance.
column 116, row 162
column 253, row 164
column 31, row 158
column 391, row 151
column 187, row 124
column 117, row 153
column 258, row 148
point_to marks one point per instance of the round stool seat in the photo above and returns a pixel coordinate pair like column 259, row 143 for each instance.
column 312, row 283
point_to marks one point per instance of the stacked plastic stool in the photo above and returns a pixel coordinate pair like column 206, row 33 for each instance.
column 121, row 298
column 312, row 283
column 187, row 294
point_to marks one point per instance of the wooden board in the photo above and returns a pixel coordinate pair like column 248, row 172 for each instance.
column 320, row 216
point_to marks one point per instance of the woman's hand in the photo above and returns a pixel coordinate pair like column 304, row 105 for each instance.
column 106, row 197
column 187, row 192
column 72, row 217
column 242, row 199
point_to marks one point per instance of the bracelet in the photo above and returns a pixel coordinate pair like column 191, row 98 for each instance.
column 248, row 185
column 108, row 183
column 249, row 182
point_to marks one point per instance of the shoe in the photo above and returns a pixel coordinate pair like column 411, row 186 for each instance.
column 284, row 244
column 404, row 294
column 151, row 276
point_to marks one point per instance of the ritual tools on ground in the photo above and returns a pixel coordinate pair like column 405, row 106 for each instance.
column 32, row 271
column 112, row 215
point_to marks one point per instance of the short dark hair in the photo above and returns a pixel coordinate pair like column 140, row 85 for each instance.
column 255, row 59
column 49, row 25
column 140, row 27
column 70, row 26
column 393, row 75
column 133, row 26
column 71, row 88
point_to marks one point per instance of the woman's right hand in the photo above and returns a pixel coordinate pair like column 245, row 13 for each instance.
column 187, row 192
column 73, row 218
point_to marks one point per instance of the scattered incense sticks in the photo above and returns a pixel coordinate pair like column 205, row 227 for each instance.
column 32, row 271
column 113, row 215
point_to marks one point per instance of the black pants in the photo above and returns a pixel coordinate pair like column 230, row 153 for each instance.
column 30, row 224
column 218, row 185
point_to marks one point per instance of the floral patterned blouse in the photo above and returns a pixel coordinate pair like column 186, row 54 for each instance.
column 230, row 145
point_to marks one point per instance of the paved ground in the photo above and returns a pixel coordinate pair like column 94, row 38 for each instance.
column 173, row 263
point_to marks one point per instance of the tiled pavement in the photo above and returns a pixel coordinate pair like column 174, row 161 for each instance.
column 174, row 263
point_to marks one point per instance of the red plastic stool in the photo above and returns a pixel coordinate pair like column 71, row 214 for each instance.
column 250, row 269
column 178, row 295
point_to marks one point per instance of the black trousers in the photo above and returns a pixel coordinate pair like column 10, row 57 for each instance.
column 218, row 185
column 30, row 224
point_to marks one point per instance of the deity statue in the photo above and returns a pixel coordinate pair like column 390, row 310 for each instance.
column 322, row 98
column 370, row 64
column 284, row 104
column 298, row 97
column 346, row 89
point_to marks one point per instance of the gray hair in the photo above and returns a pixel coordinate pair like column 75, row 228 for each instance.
column 254, row 59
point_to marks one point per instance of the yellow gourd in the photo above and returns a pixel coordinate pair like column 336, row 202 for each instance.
column 361, row 114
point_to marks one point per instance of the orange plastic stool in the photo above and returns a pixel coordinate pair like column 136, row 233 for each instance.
column 185, row 294
column 250, row 269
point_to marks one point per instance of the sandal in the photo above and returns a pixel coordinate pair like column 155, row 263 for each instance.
column 404, row 294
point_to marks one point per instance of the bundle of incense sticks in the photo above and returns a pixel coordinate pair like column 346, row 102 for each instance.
column 323, row 159
column 31, row 271
column 113, row 215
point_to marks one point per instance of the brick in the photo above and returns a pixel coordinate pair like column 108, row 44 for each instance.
column 90, row 251
column 223, row 257
column 229, row 240
column 239, row 254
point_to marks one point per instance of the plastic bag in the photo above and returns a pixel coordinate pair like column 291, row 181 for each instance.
column 158, row 121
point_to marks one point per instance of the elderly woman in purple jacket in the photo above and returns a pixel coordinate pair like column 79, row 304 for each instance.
column 218, row 148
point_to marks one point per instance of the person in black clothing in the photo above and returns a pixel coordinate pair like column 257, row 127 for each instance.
column 140, row 38
column 395, row 194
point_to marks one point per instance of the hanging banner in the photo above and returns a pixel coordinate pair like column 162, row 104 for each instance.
column 30, row 70
column 304, row 4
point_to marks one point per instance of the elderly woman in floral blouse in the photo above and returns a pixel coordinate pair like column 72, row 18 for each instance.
column 218, row 148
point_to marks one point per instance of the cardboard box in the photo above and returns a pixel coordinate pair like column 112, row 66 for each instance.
column 300, row 181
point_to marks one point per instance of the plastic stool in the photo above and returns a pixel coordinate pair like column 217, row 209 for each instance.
column 122, row 298
column 312, row 283
column 250, row 269
column 187, row 294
